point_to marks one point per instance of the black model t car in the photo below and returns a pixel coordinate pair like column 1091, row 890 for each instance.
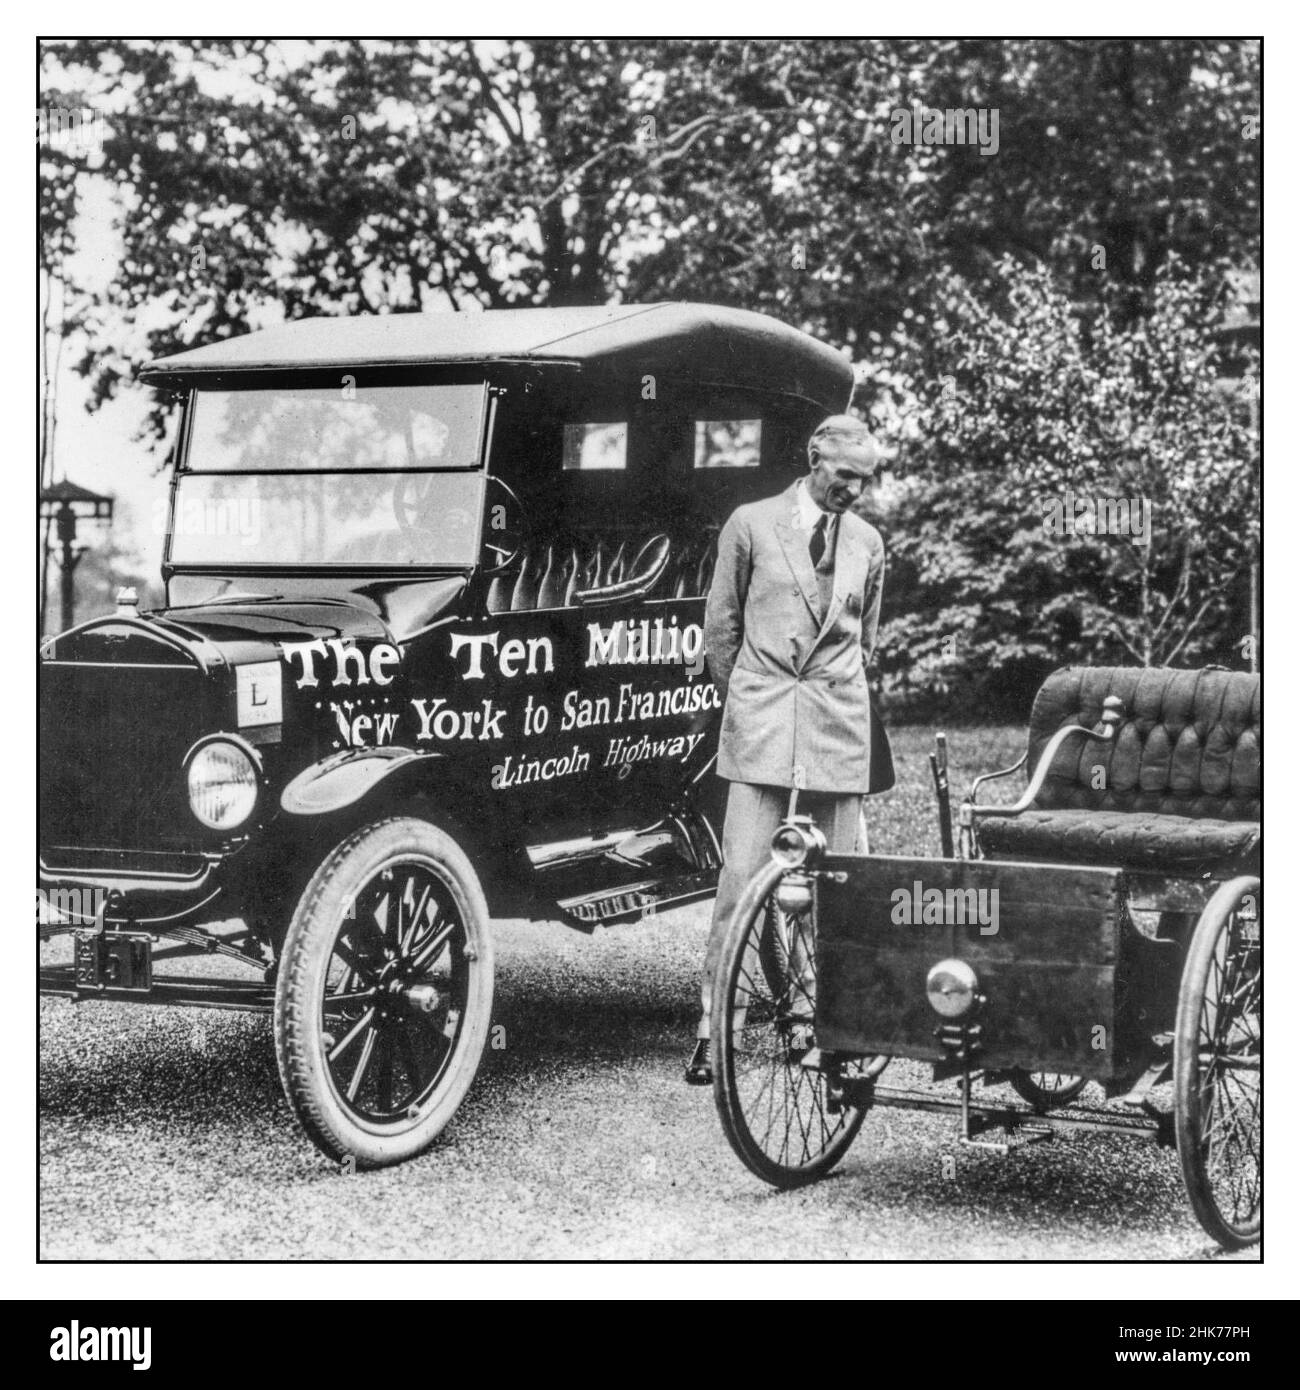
column 431, row 651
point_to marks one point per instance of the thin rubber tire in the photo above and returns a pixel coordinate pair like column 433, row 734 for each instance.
column 1027, row 1086
column 383, row 998
column 752, row 1034
column 1217, row 1067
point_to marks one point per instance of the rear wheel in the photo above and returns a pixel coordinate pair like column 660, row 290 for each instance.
column 1047, row 1090
column 384, row 992
column 1217, row 1059
column 778, row 1114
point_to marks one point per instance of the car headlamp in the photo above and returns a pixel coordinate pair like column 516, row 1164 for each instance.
column 223, row 784
column 952, row 988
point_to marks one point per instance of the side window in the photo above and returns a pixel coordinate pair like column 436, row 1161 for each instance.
column 728, row 443
column 595, row 446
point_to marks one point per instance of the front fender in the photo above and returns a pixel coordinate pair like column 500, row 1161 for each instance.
column 344, row 778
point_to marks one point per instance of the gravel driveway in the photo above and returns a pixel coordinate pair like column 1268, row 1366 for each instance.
column 578, row 1140
column 164, row 1135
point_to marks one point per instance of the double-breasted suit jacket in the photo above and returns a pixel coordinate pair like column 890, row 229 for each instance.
column 798, row 709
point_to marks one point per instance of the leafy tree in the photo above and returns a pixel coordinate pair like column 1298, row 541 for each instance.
column 371, row 176
column 998, row 576
column 1139, row 149
column 255, row 179
column 260, row 178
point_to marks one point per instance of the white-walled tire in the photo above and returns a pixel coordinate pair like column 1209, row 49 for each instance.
column 384, row 993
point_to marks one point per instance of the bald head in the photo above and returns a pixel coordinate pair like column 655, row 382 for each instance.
column 842, row 460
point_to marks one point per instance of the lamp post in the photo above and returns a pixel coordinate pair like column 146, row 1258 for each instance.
column 65, row 504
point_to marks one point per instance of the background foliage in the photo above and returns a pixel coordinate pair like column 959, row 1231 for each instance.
column 998, row 358
column 1039, row 403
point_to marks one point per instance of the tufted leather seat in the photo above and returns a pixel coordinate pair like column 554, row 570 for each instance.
column 550, row 572
column 692, row 573
column 1177, row 790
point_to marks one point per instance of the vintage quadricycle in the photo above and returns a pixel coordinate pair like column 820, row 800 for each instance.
column 432, row 649
column 1106, row 928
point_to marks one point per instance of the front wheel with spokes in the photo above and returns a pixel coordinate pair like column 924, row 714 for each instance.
column 780, row 1114
column 384, row 992
column 1218, row 1054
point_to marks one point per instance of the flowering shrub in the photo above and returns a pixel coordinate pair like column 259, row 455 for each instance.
column 1010, row 550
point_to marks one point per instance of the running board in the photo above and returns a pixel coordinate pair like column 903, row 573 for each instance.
column 630, row 902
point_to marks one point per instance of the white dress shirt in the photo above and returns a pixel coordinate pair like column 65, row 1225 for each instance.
column 807, row 513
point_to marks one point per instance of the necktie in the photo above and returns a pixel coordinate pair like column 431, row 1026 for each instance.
column 817, row 541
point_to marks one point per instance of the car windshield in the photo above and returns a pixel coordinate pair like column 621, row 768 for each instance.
column 326, row 519
column 329, row 428
column 344, row 475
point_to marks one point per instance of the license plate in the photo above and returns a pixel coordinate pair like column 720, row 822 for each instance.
column 118, row 962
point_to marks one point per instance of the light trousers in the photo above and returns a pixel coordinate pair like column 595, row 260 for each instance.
column 753, row 815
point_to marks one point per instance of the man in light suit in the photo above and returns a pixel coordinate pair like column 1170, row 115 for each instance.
column 789, row 628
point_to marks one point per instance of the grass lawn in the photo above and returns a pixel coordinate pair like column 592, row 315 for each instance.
column 905, row 820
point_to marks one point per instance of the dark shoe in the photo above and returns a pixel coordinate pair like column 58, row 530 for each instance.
column 698, row 1070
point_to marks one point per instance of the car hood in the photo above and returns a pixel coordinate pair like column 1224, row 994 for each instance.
column 239, row 630
column 244, row 631
column 215, row 635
